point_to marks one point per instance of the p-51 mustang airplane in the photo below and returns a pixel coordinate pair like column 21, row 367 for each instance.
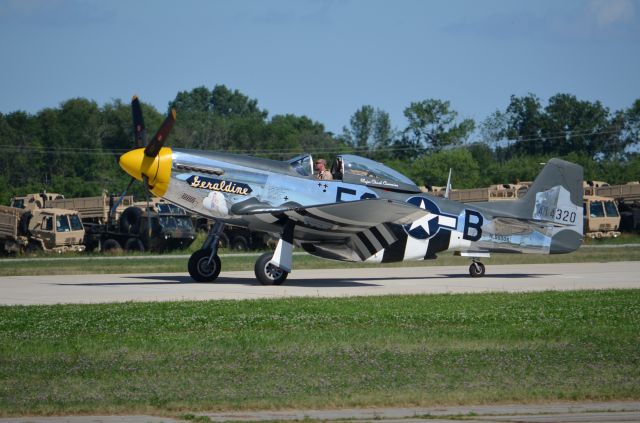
column 367, row 213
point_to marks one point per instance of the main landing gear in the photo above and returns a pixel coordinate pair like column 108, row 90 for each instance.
column 476, row 269
column 273, row 268
column 267, row 273
column 270, row 268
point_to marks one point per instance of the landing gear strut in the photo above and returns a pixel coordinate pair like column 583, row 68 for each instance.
column 273, row 268
column 476, row 269
column 204, row 264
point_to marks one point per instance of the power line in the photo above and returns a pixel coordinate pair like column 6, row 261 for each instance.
column 271, row 151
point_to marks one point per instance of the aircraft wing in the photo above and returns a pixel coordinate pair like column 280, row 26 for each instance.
column 357, row 214
column 364, row 226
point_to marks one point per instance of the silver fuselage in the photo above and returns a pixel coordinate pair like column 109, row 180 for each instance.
column 262, row 194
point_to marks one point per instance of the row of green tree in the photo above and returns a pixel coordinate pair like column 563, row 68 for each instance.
column 73, row 149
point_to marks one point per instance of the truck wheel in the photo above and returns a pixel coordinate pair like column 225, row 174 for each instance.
column 267, row 273
column 240, row 243
column 134, row 245
column 33, row 249
column 111, row 246
column 130, row 220
column 199, row 268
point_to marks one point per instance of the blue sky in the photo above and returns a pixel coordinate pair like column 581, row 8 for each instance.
column 323, row 59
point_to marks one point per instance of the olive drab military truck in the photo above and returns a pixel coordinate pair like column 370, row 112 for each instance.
column 237, row 238
column 29, row 231
column 126, row 226
column 171, row 226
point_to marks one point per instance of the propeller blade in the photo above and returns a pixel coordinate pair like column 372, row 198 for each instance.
column 117, row 203
column 146, row 194
column 138, row 123
column 158, row 140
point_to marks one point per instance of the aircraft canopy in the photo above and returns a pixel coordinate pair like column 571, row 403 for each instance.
column 359, row 170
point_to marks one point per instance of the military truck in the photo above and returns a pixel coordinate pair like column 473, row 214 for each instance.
column 498, row 192
column 160, row 227
column 94, row 210
column 601, row 217
column 35, row 201
column 30, row 231
column 126, row 228
column 628, row 198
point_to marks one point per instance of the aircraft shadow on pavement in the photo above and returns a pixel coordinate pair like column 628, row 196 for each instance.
column 315, row 283
column 222, row 280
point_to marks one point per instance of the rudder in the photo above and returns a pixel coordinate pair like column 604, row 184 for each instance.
column 556, row 197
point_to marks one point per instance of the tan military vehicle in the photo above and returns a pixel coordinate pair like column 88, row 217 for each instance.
column 35, row 201
column 94, row 210
column 592, row 187
column 56, row 230
column 498, row 192
column 601, row 217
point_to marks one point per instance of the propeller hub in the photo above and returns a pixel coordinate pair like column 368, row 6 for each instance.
column 156, row 169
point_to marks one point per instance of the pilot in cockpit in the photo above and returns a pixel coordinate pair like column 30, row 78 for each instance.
column 321, row 170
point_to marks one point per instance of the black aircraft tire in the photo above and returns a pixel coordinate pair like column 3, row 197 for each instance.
column 268, row 274
column 111, row 246
column 476, row 270
column 200, row 270
column 134, row 245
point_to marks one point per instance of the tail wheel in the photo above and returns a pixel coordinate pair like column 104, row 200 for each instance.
column 203, row 270
column 267, row 273
column 476, row 269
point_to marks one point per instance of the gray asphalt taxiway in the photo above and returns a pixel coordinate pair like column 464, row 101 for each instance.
column 625, row 411
column 337, row 282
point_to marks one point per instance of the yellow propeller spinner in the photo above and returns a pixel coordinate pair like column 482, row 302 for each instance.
column 157, row 169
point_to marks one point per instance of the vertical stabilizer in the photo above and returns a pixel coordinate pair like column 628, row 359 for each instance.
column 555, row 200
column 556, row 197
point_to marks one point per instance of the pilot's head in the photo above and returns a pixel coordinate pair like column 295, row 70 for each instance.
column 320, row 165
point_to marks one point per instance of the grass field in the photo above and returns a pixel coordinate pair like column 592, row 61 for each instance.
column 172, row 358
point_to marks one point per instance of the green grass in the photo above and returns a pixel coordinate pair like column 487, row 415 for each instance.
column 183, row 357
column 624, row 238
column 170, row 263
